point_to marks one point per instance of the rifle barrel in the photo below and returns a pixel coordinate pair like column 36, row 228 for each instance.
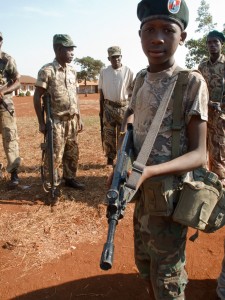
column 108, row 249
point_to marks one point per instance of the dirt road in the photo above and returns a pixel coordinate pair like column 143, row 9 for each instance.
column 56, row 256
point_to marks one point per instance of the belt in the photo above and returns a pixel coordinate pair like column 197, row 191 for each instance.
column 116, row 104
column 65, row 118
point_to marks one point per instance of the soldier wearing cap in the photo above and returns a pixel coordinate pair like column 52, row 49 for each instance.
column 58, row 78
column 213, row 70
column 115, row 87
column 159, row 242
column 9, row 82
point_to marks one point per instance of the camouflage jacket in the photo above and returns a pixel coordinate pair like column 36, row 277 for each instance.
column 61, row 84
column 214, row 74
column 8, row 70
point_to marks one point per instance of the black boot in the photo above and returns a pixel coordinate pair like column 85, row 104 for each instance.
column 73, row 183
column 14, row 179
column 110, row 161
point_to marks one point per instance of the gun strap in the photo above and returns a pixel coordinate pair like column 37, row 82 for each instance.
column 146, row 149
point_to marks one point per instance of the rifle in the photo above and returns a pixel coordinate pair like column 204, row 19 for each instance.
column 49, row 180
column 2, row 102
column 115, row 196
column 101, row 120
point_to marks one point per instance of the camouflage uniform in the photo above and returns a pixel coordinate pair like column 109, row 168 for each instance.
column 8, row 127
column 160, row 242
column 214, row 74
column 60, row 83
column 119, row 82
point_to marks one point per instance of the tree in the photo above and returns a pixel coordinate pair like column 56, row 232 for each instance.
column 197, row 47
column 90, row 69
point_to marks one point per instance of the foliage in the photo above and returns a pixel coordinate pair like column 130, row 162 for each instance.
column 28, row 93
column 197, row 50
column 90, row 68
column 21, row 94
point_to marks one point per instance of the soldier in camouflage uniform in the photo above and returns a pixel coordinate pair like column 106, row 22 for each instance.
column 115, row 87
column 213, row 70
column 59, row 80
column 9, row 82
column 159, row 241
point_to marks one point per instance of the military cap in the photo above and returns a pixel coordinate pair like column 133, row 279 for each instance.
column 63, row 39
column 114, row 50
column 217, row 34
column 174, row 10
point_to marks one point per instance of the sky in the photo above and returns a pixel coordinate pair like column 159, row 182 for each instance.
column 28, row 27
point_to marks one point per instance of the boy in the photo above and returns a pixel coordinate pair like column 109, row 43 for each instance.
column 159, row 241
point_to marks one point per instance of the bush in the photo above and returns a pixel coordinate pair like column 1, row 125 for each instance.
column 21, row 94
column 28, row 93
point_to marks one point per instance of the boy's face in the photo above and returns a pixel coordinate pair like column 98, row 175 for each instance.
column 160, row 39
column 214, row 45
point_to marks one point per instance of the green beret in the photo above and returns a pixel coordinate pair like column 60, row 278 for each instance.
column 63, row 39
column 114, row 50
column 174, row 10
column 217, row 34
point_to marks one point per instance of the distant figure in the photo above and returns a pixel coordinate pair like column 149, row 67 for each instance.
column 58, row 78
column 9, row 82
column 115, row 87
column 213, row 70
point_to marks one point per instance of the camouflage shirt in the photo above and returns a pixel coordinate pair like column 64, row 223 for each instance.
column 214, row 74
column 146, row 102
column 61, row 84
column 8, row 71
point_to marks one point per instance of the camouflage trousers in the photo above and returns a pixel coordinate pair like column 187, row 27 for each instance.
column 8, row 129
column 216, row 142
column 112, row 121
column 66, row 151
column 159, row 245
column 221, row 280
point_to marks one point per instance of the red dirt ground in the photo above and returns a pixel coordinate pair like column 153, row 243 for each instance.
column 76, row 275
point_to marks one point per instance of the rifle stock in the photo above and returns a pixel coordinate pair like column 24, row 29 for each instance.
column 115, row 197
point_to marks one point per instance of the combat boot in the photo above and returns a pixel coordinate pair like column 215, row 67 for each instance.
column 14, row 182
column 73, row 183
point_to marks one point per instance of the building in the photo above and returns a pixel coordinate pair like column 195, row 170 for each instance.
column 90, row 88
column 27, row 86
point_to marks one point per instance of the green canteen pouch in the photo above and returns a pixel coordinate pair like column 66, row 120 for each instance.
column 157, row 195
column 196, row 203
column 217, row 218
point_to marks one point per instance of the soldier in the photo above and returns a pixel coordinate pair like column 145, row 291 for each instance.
column 59, row 80
column 213, row 70
column 159, row 241
column 9, row 82
column 115, row 87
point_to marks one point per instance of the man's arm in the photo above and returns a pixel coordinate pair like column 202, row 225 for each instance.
column 39, row 92
column 10, row 87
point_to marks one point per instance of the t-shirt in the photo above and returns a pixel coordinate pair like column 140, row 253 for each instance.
column 116, row 84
